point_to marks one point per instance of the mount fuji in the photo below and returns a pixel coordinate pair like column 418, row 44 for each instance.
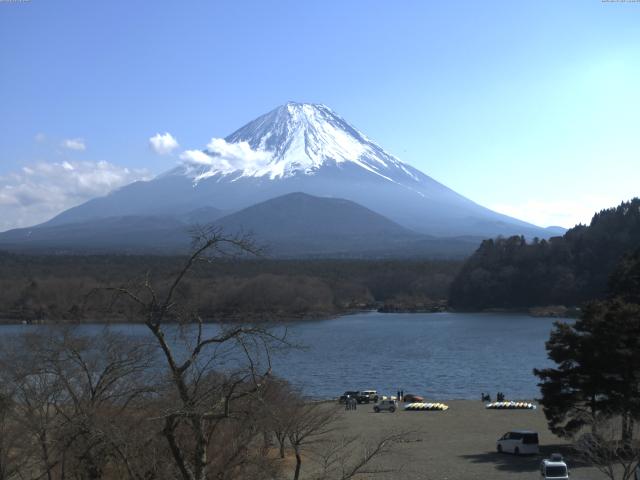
column 298, row 147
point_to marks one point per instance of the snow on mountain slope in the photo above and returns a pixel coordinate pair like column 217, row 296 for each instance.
column 296, row 138
column 304, row 137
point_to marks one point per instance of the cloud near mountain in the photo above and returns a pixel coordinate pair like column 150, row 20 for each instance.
column 43, row 189
column 222, row 156
column 163, row 144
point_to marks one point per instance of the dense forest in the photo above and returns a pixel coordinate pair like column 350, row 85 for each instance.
column 512, row 273
column 59, row 288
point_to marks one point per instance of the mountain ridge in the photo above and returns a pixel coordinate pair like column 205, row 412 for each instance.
column 308, row 148
column 293, row 225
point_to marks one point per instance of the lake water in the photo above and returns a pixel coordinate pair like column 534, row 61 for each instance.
column 438, row 355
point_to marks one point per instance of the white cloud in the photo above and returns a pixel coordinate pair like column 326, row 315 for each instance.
column 196, row 158
column 224, row 157
column 74, row 144
column 558, row 212
column 40, row 137
column 163, row 144
column 39, row 191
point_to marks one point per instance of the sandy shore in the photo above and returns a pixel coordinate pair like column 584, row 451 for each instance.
column 460, row 443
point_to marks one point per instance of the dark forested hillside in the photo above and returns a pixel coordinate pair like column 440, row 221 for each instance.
column 567, row 270
column 54, row 287
column 625, row 280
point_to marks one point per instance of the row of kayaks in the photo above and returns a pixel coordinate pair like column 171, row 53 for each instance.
column 418, row 406
column 511, row 405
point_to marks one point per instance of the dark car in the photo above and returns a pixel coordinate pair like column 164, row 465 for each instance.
column 349, row 393
column 411, row 398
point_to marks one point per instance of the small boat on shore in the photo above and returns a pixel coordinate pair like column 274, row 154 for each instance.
column 509, row 405
column 425, row 407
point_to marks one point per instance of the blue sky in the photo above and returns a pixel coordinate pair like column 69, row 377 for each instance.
column 530, row 108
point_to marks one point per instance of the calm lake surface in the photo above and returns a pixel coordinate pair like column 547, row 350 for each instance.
column 439, row 355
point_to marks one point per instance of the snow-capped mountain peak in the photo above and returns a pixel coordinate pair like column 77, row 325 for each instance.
column 294, row 139
column 300, row 148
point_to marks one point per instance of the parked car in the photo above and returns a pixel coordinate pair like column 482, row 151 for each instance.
column 350, row 394
column 367, row 396
column 519, row 442
column 386, row 405
column 411, row 398
column 554, row 468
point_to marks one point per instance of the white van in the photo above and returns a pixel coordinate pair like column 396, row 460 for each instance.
column 519, row 442
column 554, row 468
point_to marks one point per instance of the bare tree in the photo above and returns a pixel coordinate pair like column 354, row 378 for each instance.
column 308, row 425
column 10, row 463
column 105, row 382
column 604, row 448
column 205, row 395
column 349, row 457
column 313, row 431
column 75, row 400
column 34, row 396
column 279, row 408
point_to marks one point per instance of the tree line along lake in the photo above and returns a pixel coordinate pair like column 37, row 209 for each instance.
column 437, row 355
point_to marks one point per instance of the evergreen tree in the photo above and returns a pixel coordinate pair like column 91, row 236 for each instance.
column 598, row 369
column 567, row 270
column 625, row 281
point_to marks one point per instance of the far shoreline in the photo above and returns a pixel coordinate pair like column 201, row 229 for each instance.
column 533, row 312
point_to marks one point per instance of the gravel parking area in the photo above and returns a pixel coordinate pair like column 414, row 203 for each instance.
column 460, row 443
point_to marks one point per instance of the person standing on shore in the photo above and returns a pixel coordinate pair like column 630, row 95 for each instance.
column 398, row 397
column 402, row 396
